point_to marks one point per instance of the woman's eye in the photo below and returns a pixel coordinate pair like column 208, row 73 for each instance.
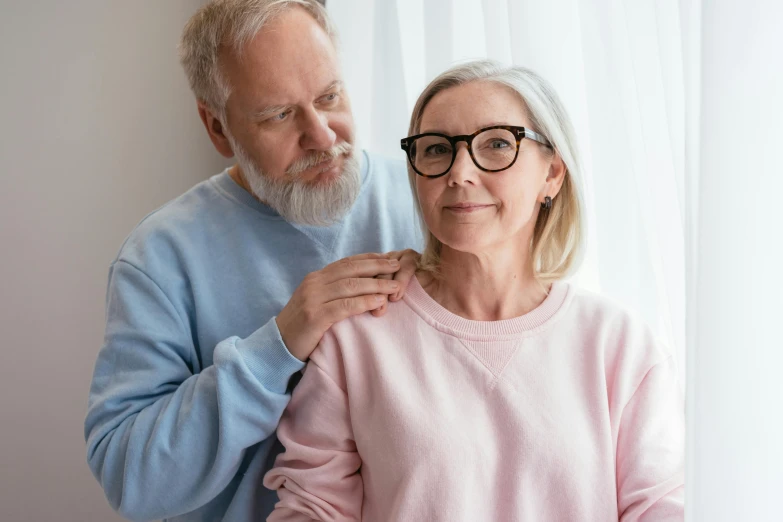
column 499, row 144
column 434, row 150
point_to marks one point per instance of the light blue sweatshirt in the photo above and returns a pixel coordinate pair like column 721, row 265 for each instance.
column 192, row 378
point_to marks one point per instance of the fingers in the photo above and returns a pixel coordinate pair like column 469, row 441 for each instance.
column 366, row 282
column 324, row 297
column 355, row 286
column 369, row 255
column 409, row 262
column 351, row 267
column 378, row 312
column 340, row 309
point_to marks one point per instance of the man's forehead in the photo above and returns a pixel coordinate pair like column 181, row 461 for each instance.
column 289, row 85
column 289, row 57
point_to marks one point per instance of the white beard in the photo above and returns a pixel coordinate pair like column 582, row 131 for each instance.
column 302, row 203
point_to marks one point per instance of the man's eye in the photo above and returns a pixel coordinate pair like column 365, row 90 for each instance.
column 280, row 117
column 330, row 97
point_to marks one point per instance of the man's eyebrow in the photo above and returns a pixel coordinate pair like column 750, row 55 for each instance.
column 337, row 84
column 273, row 110
column 266, row 112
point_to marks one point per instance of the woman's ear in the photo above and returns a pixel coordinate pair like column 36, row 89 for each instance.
column 556, row 176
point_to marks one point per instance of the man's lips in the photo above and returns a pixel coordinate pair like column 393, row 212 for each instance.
column 322, row 167
column 318, row 168
column 325, row 165
column 325, row 171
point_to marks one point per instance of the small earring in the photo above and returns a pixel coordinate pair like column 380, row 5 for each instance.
column 547, row 204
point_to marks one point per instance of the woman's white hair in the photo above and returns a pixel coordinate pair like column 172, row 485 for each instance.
column 228, row 25
column 558, row 237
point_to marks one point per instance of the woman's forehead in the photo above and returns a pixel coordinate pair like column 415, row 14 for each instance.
column 468, row 107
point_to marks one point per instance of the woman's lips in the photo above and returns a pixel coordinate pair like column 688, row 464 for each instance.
column 466, row 208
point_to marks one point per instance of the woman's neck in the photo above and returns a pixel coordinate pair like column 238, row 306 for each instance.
column 487, row 287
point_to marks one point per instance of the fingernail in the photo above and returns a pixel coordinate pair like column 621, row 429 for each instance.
column 394, row 262
column 380, row 298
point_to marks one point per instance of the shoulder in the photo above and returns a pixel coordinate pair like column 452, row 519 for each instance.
column 363, row 336
column 385, row 212
column 171, row 230
column 387, row 177
column 618, row 342
column 618, row 331
column 596, row 307
column 388, row 192
column 385, row 166
column 367, row 328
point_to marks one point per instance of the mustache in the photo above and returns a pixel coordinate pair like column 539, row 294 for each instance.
column 316, row 158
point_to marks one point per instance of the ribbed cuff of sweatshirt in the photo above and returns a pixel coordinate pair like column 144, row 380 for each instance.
column 267, row 357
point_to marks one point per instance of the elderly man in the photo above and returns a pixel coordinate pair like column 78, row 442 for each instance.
column 216, row 300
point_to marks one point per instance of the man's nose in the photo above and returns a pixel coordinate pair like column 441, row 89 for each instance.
column 317, row 135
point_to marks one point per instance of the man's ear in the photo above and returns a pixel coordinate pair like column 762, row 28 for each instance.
column 215, row 130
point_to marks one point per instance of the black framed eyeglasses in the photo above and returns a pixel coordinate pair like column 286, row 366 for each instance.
column 492, row 149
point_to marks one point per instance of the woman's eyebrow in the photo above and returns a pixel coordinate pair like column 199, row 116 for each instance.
column 491, row 124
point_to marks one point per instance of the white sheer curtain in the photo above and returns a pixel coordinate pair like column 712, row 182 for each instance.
column 678, row 107
column 618, row 67
column 735, row 342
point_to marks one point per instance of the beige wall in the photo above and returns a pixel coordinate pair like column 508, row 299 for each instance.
column 97, row 128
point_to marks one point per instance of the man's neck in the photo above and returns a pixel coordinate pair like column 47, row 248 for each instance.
column 239, row 178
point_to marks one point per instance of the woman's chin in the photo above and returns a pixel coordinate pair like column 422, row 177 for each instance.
column 465, row 244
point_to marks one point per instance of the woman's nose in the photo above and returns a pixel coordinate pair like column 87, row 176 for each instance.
column 463, row 170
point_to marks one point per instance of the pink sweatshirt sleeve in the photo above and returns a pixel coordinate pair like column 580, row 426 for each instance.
column 650, row 450
column 317, row 477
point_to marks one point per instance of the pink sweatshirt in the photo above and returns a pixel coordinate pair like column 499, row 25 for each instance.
column 572, row 412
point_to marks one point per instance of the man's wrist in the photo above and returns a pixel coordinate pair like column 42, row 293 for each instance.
column 268, row 358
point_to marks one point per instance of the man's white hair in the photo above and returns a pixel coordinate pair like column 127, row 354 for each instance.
column 228, row 25
column 296, row 200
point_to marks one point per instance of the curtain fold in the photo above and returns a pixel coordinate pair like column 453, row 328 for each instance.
column 735, row 399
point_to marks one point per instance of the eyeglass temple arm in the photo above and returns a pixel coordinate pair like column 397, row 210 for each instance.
column 535, row 137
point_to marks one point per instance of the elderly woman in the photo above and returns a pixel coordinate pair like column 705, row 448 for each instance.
column 495, row 390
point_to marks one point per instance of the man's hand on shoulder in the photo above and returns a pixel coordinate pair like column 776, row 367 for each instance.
column 409, row 263
column 345, row 288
